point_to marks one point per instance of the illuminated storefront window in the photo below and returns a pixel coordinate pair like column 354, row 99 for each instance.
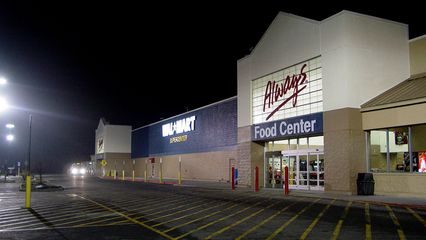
column 400, row 149
column 293, row 91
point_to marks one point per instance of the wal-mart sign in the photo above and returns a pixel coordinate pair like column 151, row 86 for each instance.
column 305, row 125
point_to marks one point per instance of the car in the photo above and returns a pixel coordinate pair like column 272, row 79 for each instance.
column 77, row 169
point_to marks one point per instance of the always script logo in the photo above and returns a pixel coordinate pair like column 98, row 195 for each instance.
column 276, row 90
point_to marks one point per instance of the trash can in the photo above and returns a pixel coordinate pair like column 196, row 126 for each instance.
column 365, row 184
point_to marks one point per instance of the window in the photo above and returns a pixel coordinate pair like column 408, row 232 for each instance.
column 399, row 149
column 378, row 151
column 308, row 101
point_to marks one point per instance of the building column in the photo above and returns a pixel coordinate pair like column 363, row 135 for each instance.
column 249, row 155
column 344, row 149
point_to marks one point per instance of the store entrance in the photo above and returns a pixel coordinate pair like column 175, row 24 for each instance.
column 306, row 168
column 275, row 170
column 304, row 159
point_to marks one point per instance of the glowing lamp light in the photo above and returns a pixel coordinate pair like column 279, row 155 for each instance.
column 3, row 81
column 3, row 104
column 10, row 137
column 10, row 125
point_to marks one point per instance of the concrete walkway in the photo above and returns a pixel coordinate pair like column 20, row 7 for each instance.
column 377, row 199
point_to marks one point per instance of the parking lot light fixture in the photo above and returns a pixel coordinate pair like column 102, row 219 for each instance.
column 10, row 137
column 3, row 104
column 3, row 81
column 10, row 125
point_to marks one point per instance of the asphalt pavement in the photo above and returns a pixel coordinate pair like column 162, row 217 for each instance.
column 93, row 208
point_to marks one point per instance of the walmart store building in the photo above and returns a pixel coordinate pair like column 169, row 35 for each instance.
column 328, row 99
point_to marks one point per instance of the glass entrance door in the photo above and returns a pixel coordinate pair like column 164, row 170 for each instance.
column 306, row 168
column 274, row 170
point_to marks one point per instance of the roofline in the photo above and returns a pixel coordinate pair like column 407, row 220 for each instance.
column 394, row 104
column 319, row 23
column 417, row 38
column 364, row 15
column 275, row 19
column 209, row 105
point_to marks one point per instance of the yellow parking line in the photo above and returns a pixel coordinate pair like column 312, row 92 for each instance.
column 183, row 210
column 218, row 220
column 61, row 218
column 184, row 216
column 144, row 215
column 282, row 227
column 195, row 220
column 367, row 221
column 338, row 227
column 206, row 216
column 417, row 216
column 129, row 218
column 264, row 221
column 133, row 209
column 239, row 222
column 395, row 221
column 315, row 221
column 46, row 227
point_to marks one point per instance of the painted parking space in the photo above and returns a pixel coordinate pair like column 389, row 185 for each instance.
column 188, row 213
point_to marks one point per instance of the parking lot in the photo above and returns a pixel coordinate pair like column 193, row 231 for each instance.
column 92, row 208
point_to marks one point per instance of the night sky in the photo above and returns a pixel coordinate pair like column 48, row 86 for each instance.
column 68, row 64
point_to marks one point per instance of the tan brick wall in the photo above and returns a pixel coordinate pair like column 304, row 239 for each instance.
column 250, row 155
column 344, row 149
column 212, row 166
column 400, row 184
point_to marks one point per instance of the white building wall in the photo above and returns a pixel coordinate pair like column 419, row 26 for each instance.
column 99, row 135
column 362, row 56
column 289, row 40
column 117, row 139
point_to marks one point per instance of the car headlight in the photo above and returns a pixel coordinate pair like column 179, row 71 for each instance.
column 82, row 171
column 74, row 170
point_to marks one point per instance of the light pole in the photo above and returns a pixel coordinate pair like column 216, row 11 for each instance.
column 28, row 178
column 9, row 138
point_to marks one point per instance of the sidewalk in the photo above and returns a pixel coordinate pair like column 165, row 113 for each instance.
column 416, row 202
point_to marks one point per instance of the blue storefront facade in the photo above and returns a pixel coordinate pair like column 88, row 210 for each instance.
column 200, row 144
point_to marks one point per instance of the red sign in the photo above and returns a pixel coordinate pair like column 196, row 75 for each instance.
column 276, row 90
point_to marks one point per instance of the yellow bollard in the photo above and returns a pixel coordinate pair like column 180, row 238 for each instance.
column 133, row 175
column 28, row 192
column 179, row 171
column 161, row 170
column 145, row 176
column 123, row 175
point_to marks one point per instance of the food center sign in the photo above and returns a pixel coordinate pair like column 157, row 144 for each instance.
column 306, row 125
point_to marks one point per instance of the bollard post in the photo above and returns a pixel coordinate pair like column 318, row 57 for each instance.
column 133, row 175
column 161, row 170
column 180, row 171
column 124, row 162
column 27, row 191
column 286, row 180
column 256, row 182
column 233, row 178
column 145, row 176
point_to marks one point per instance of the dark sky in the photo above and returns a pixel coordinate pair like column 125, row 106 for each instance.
column 71, row 63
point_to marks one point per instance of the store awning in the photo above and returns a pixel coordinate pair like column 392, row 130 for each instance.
column 410, row 91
